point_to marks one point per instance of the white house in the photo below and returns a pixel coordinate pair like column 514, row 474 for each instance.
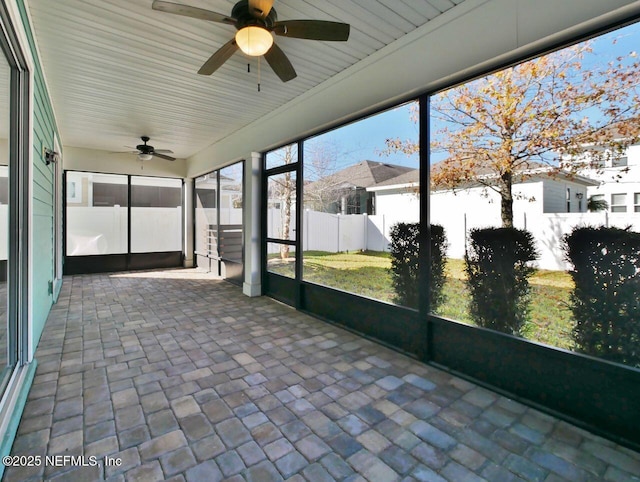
column 547, row 204
column 538, row 194
column 618, row 180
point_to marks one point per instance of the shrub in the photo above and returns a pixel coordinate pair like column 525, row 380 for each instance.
column 498, row 266
column 605, row 300
column 594, row 204
column 404, row 264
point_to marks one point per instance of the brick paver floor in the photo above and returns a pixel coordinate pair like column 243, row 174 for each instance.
column 172, row 375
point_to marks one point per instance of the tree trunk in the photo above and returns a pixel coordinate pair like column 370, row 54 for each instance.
column 506, row 200
column 286, row 214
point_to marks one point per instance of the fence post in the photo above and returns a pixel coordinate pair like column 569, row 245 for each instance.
column 384, row 233
column 465, row 234
column 366, row 231
column 305, row 231
column 338, row 230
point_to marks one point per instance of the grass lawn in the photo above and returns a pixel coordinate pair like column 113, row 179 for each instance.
column 366, row 273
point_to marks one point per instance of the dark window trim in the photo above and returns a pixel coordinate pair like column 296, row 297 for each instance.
column 99, row 263
column 621, row 426
column 218, row 258
column 468, row 75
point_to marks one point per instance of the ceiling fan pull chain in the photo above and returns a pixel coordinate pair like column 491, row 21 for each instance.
column 258, row 74
column 249, row 67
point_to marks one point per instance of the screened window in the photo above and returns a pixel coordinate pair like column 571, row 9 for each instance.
column 281, row 219
column 156, row 214
column 495, row 165
column 361, row 181
column 96, row 216
column 206, row 204
column 219, row 234
column 281, row 157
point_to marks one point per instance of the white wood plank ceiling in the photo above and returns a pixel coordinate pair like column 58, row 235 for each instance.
column 117, row 69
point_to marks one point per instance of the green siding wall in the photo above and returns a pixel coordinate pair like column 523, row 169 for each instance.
column 44, row 129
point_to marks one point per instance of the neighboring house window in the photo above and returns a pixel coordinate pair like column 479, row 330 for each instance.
column 568, row 200
column 618, row 203
column 619, row 162
column 354, row 204
column 108, row 194
column 371, row 204
column 636, row 202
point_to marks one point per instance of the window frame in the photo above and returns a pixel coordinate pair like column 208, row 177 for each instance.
column 20, row 178
column 566, row 376
column 98, row 263
column 619, row 207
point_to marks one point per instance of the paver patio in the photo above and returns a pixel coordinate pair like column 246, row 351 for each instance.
column 181, row 377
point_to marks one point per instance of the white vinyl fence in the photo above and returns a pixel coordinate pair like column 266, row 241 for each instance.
column 549, row 229
column 103, row 230
column 335, row 233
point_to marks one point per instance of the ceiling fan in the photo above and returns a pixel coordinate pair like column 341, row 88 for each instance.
column 255, row 20
column 145, row 152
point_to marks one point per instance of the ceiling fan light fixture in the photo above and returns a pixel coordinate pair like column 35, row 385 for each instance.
column 145, row 157
column 254, row 41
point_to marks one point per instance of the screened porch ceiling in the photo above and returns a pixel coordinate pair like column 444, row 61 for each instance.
column 116, row 69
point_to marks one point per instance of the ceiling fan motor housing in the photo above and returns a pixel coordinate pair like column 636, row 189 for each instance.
column 144, row 148
column 244, row 17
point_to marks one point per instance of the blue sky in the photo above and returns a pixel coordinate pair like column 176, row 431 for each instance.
column 365, row 139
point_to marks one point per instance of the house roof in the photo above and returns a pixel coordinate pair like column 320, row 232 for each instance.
column 534, row 170
column 366, row 174
column 411, row 177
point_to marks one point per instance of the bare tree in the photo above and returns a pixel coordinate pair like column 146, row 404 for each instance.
column 283, row 188
column 323, row 189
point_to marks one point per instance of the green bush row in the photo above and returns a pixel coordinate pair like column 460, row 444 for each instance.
column 404, row 264
column 606, row 298
column 606, row 271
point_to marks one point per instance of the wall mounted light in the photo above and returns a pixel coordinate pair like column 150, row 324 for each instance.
column 579, row 195
column 50, row 156
column 254, row 41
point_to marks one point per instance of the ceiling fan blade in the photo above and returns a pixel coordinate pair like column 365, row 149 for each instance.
column 163, row 156
column 260, row 8
column 280, row 63
column 220, row 57
column 193, row 12
column 164, row 151
column 313, row 30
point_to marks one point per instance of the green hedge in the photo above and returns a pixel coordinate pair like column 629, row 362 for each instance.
column 606, row 297
column 498, row 266
column 404, row 264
